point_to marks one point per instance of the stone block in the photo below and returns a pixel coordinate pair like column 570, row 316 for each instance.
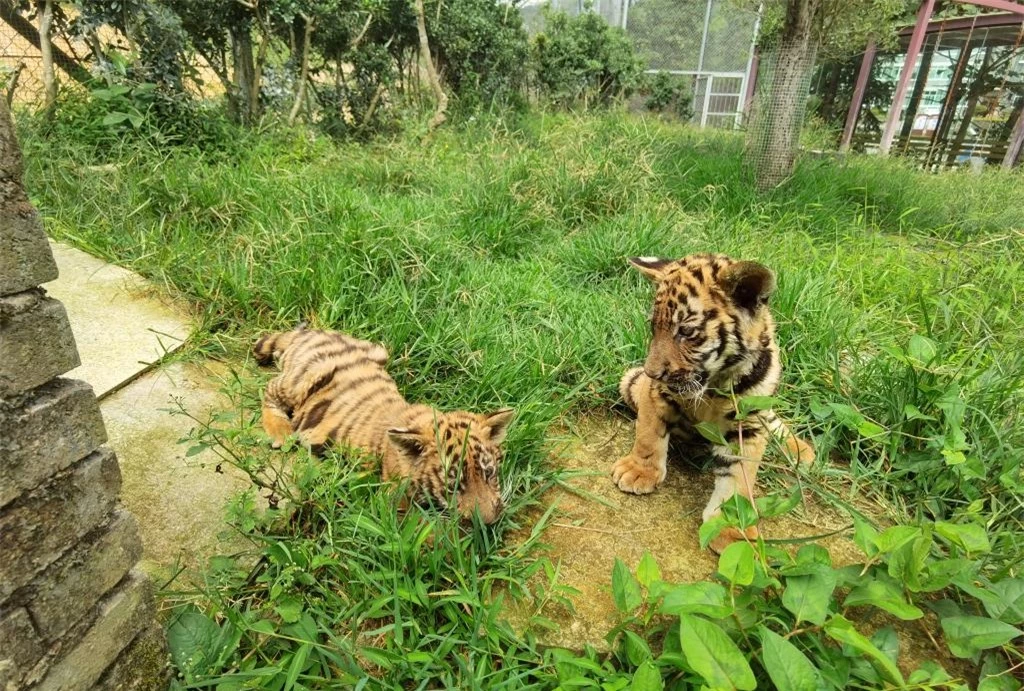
column 36, row 343
column 122, row 615
column 45, row 431
column 25, row 257
column 20, row 645
column 142, row 666
column 38, row 527
column 71, row 588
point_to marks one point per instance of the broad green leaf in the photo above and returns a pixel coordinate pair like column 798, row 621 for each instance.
column 788, row 667
column 865, row 536
column 969, row 537
column 647, row 677
column 737, row 563
column 647, row 570
column 750, row 404
column 1009, row 603
column 710, row 431
column 888, row 641
column 191, row 638
column 625, row 588
column 907, row 564
column 847, row 415
column 710, row 529
column 713, row 655
column 297, row 666
column 637, row 650
column 895, row 537
column 776, row 504
column 922, row 349
column 289, row 608
column 840, row 629
column 967, row 636
column 264, row 626
column 702, row 597
column 870, row 429
column 740, row 511
column 808, row 597
column 884, row 595
column 995, row 676
column 912, row 412
column 114, row 118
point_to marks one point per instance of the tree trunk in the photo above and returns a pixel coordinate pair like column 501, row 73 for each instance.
column 828, row 96
column 300, row 91
column 46, row 50
column 23, row 27
column 780, row 114
column 974, row 92
column 239, row 100
column 1016, row 142
column 440, row 114
column 918, row 92
column 948, row 112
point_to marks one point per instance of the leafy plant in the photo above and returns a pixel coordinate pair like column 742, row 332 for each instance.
column 580, row 60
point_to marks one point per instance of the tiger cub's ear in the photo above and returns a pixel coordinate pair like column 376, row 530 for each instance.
column 409, row 442
column 497, row 423
column 748, row 284
column 651, row 267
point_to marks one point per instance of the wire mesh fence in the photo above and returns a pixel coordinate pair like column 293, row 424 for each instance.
column 709, row 42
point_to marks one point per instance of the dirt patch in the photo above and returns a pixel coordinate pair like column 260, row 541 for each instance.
column 599, row 523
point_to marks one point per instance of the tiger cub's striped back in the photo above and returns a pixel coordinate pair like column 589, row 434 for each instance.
column 333, row 389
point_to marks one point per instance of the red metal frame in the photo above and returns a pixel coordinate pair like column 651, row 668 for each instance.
column 858, row 96
column 924, row 15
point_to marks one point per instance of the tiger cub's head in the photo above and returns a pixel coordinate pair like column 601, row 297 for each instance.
column 459, row 455
column 710, row 324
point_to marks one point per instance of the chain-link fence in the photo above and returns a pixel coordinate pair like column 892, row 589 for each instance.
column 711, row 42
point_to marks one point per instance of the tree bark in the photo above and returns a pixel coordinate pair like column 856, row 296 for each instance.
column 300, row 91
column 46, row 51
column 948, row 111
column 918, row 92
column 781, row 114
column 440, row 113
column 239, row 98
column 1016, row 142
column 828, row 96
column 974, row 92
column 9, row 14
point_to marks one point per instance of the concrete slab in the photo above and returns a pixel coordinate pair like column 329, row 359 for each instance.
column 179, row 502
column 121, row 327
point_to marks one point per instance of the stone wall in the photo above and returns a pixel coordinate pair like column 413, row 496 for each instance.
column 74, row 613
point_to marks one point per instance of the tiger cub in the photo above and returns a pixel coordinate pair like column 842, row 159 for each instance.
column 333, row 388
column 713, row 338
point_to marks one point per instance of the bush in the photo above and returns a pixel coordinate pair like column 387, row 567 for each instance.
column 669, row 94
column 482, row 52
column 582, row 60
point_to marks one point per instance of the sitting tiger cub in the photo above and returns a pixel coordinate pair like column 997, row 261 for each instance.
column 333, row 388
column 713, row 339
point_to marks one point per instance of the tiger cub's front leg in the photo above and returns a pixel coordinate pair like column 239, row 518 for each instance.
column 734, row 474
column 644, row 468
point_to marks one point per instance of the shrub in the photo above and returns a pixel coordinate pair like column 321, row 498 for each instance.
column 582, row 60
column 669, row 94
column 482, row 52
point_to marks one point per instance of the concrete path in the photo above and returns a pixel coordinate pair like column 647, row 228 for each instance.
column 122, row 328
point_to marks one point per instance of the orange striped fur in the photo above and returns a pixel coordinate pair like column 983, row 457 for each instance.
column 333, row 389
column 713, row 341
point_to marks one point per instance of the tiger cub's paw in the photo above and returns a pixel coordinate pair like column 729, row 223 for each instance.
column 730, row 535
column 632, row 474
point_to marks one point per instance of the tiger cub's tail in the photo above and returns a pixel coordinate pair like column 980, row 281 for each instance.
column 272, row 345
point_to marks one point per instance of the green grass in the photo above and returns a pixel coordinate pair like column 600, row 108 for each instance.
column 491, row 262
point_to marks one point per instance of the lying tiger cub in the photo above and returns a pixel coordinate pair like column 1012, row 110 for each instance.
column 333, row 388
column 713, row 341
